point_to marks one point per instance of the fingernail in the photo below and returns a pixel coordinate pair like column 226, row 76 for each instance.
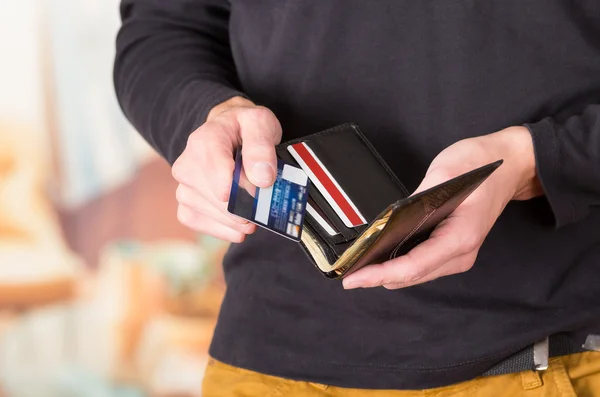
column 263, row 172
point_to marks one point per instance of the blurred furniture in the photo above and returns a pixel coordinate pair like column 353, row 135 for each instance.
column 164, row 298
column 119, row 337
column 36, row 268
column 24, row 295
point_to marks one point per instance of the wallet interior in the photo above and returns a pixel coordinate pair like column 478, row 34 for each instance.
column 393, row 222
column 362, row 174
column 408, row 222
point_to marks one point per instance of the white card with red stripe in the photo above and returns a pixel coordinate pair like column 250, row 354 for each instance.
column 327, row 185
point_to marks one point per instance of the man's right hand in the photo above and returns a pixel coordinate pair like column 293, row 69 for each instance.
column 204, row 170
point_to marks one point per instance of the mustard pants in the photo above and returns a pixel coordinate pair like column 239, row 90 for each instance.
column 567, row 376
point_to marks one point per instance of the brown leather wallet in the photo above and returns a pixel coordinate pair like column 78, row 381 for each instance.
column 393, row 221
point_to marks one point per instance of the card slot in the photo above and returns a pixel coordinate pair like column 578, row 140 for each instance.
column 346, row 232
column 284, row 155
column 338, row 224
column 357, row 169
column 332, row 239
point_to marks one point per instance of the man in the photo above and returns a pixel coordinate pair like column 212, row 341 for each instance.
column 439, row 88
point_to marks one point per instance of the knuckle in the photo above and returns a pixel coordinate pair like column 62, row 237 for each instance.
column 200, row 148
column 196, row 136
column 208, row 160
column 187, row 198
column 183, row 171
column 413, row 275
column 264, row 117
column 258, row 142
column 261, row 114
column 177, row 170
column 188, row 218
column 182, row 215
column 377, row 281
column 215, row 150
column 470, row 242
column 221, row 150
column 411, row 256
column 454, row 243
column 180, row 194
column 388, row 275
column 205, row 137
column 196, row 142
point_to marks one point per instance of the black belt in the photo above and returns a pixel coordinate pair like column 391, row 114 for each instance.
column 523, row 360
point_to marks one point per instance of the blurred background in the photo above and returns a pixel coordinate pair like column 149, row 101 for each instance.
column 102, row 292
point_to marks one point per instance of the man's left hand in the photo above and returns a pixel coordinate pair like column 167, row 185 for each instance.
column 453, row 245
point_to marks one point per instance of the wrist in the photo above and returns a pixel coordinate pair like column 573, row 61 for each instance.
column 518, row 152
column 235, row 102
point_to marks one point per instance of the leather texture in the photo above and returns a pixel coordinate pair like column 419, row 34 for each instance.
column 375, row 190
column 414, row 218
column 358, row 169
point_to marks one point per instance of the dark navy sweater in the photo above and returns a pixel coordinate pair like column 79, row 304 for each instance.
column 416, row 76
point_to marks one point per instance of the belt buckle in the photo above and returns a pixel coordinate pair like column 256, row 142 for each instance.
column 541, row 352
column 592, row 342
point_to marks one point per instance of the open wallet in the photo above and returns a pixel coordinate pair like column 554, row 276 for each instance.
column 358, row 211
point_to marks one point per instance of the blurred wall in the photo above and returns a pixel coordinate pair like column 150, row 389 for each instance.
column 56, row 84
column 21, row 93
column 99, row 150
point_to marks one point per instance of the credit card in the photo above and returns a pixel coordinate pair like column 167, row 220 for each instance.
column 280, row 208
column 327, row 185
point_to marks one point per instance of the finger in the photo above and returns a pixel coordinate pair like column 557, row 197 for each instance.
column 453, row 237
column 457, row 265
column 217, row 164
column 189, row 198
column 260, row 132
column 200, row 187
column 195, row 197
column 207, row 162
column 206, row 225
column 433, row 178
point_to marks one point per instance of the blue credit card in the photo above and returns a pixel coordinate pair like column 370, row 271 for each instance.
column 279, row 208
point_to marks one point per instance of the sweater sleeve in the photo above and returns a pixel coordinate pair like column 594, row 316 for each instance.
column 173, row 64
column 568, row 162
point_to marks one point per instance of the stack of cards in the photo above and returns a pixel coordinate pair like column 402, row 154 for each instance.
column 282, row 207
column 279, row 208
column 329, row 188
column 357, row 210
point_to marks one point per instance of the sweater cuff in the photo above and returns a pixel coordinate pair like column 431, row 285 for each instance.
column 546, row 144
column 196, row 101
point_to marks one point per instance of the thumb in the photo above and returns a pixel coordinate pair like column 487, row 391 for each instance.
column 260, row 131
column 433, row 178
